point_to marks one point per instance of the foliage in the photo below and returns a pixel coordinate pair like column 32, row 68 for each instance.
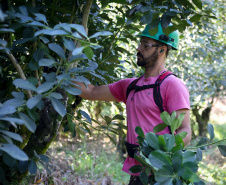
column 45, row 47
column 166, row 157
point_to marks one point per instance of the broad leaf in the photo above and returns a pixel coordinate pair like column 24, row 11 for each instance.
column 210, row 130
column 164, row 175
column 143, row 178
column 32, row 167
column 7, row 110
column 119, row 117
column 24, row 84
column 29, row 123
column 191, row 165
column 177, row 159
column 183, row 134
column 85, row 115
column 159, row 127
column 14, row 120
column 69, row 44
column 58, row 106
column 14, row 102
column 12, row 135
column 102, row 33
column 57, row 49
column 34, row 101
column 159, row 159
column 40, row 17
column 222, row 149
column 139, row 131
column 79, row 28
column 46, row 62
column 55, row 95
column 136, row 169
column 166, row 118
column 152, row 140
column 198, row 3
column 88, row 52
column 77, row 51
column 188, row 156
column 45, row 87
column 72, row 90
column 199, row 154
column 18, row 95
column 14, row 151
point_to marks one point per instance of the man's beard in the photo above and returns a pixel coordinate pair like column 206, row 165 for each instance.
column 150, row 61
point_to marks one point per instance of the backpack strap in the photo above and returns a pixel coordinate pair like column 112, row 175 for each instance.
column 156, row 90
column 131, row 86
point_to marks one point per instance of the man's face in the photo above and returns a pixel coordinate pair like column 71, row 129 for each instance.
column 147, row 55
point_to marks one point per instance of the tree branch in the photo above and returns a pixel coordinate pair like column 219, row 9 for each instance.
column 19, row 70
column 86, row 14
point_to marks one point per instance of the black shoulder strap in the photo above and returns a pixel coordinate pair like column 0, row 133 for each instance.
column 156, row 90
column 131, row 85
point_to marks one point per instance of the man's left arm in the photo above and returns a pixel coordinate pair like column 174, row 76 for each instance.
column 185, row 125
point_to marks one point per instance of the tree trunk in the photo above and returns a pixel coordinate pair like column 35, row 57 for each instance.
column 202, row 119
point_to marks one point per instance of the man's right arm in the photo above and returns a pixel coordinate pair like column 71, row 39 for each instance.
column 101, row 93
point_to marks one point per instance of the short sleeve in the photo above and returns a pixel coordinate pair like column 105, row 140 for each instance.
column 176, row 95
column 118, row 89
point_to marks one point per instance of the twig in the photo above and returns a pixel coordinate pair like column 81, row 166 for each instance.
column 19, row 70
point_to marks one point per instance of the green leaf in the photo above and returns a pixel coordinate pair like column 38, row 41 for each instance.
column 9, row 161
column 79, row 28
column 7, row 110
column 170, row 141
column 152, row 140
column 57, row 49
column 58, row 32
column 139, row 131
column 198, row 3
column 46, row 62
column 44, row 31
column 161, row 141
column 23, row 10
column 58, row 106
column 177, row 159
column 158, row 159
column 182, row 134
column 136, row 169
column 159, row 127
column 166, row 118
column 101, row 33
column 202, row 141
column 199, row 154
column 18, row 95
column 88, row 52
column 107, row 119
column 69, row 44
column 24, row 84
column 55, row 95
column 29, row 123
column 181, row 118
column 45, row 87
column 164, row 175
column 175, row 124
column 194, row 178
column 144, row 178
column 141, row 160
column 210, row 130
column 177, row 147
column 14, row 151
column 191, row 165
column 86, row 116
column 23, row 166
column 147, row 18
column 6, row 30
column 44, row 39
column 14, row 120
column 165, row 20
column 222, row 149
column 178, row 140
column 188, row 156
column 72, row 90
column 119, row 117
column 32, row 167
column 187, row 174
column 14, row 102
column 34, row 101
column 77, row 51
column 195, row 18
column 12, row 135
column 36, row 23
column 154, row 24
column 40, row 17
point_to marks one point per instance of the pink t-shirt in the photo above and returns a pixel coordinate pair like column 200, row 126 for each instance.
column 142, row 110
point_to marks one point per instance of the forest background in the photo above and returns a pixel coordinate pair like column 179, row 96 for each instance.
column 44, row 45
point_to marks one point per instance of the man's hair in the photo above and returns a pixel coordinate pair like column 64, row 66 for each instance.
column 168, row 47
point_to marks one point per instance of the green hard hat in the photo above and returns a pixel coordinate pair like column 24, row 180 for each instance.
column 172, row 39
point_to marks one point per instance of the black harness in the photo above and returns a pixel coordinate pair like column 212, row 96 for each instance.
column 131, row 148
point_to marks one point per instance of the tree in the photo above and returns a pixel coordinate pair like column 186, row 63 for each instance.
column 45, row 46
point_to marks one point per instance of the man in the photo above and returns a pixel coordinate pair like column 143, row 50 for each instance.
column 141, row 108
